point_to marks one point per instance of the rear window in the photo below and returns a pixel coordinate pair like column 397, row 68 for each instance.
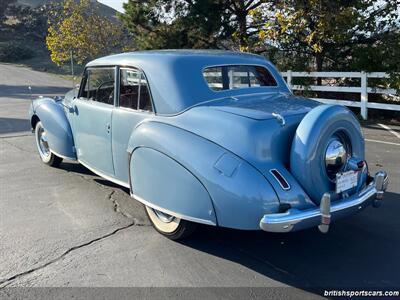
column 237, row 77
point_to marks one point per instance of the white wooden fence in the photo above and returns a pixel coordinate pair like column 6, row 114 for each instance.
column 363, row 89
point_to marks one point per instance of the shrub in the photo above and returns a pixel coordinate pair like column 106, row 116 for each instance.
column 12, row 52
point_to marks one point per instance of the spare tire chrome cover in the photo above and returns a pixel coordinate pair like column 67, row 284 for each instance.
column 310, row 144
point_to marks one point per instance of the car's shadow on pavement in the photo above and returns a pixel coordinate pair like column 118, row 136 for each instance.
column 361, row 252
column 80, row 169
column 75, row 168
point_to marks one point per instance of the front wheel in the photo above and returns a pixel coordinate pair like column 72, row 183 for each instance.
column 170, row 226
column 42, row 144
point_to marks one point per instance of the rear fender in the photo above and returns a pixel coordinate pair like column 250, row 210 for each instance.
column 193, row 178
column 57, row 126
column 161, row 182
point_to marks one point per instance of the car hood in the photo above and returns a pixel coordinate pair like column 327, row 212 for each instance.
column 264, row 106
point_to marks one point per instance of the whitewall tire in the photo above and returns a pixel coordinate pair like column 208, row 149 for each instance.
column 45, row 154
column 172, row 227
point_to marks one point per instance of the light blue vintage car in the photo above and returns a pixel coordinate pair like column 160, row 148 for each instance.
column 210, row 137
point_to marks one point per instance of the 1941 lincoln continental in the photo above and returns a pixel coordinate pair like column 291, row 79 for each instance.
column 210, row 137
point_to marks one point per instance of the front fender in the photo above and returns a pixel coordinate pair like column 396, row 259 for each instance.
column 57, row 126
column 193, row 178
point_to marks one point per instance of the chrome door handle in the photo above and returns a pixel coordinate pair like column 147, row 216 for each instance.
column 71, row 109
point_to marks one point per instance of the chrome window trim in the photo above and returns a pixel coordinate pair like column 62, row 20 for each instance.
column 148, row 86
column 139, row 111
column 84, row 79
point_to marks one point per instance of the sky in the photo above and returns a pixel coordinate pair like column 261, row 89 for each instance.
column 116, row 4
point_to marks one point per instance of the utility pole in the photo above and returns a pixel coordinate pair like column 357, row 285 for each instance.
column 72, row 69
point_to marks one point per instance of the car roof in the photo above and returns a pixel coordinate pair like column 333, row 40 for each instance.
column 175, row 76
column 167, row 56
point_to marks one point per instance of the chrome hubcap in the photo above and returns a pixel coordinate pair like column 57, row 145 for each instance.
column 42, row 142
column 163, row 216
column 336, row 156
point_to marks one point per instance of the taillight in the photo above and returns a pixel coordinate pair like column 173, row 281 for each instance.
column 281, row 180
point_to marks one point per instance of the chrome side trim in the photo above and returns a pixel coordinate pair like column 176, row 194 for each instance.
column 62, row 156
column 180, row 216
column 109, row 178
column 295, row 219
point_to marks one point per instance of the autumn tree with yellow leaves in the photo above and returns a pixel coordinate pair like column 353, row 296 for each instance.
column 75, row 27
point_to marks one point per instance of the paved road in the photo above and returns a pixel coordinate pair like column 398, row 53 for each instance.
column 67, row 227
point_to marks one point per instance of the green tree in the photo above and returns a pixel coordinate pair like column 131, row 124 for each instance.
column 157, row 24
column 76, row 27
column 191, row 23
column 327, row 31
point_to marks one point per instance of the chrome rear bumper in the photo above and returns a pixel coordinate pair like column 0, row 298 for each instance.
column 295, row 219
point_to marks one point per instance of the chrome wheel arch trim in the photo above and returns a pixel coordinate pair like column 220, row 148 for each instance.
column 176, row 215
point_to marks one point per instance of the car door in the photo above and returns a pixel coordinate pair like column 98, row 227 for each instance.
column 93, row 111
column 133, row 106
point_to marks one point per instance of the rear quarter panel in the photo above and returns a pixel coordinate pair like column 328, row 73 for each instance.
column 220, row 188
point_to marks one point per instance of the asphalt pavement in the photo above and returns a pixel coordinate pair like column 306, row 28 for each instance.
column 66, row 227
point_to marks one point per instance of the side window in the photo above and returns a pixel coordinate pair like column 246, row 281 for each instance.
column 99, row 85
column 144, row 99
column 134, row 91
column 129, row 88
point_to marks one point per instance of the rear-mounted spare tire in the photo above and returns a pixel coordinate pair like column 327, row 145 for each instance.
column 324, row 130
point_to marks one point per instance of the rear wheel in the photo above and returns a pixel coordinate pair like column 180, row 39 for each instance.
column 172, row 227
column 42, row 144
